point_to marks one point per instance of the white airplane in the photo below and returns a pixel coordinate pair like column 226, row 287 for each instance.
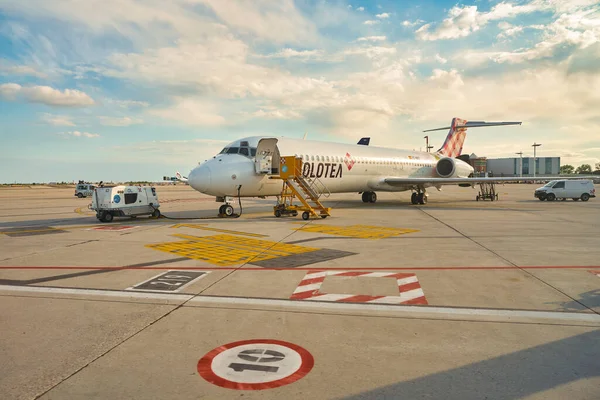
column 249, row 167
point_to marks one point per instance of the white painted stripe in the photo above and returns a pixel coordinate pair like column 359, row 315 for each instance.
column 421, row 310
column 378, row 274
column 93, row 292
column 308, row 288
column 394, row 299
column 405, row 281
column 390, row 300
column 412, row 294
column 330, row 297
column 315, row 275
column 309, row 305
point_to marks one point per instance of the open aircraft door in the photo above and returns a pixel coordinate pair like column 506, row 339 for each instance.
column 267, row 157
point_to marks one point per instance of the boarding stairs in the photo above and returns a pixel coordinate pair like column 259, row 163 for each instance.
column 308, row 191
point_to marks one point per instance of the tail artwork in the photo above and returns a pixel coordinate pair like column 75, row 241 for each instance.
column 181, row 178
column 453, row 144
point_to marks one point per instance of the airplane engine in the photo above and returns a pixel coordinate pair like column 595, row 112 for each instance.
column 453, row 168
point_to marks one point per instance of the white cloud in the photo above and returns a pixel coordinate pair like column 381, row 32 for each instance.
column 191, row 112
column 371, row 22
column 9, row 69
column 447, row 79
column 370, row 52
column 408, row 23
column 440, row 59
column 372, row 39
column 462, row 21
column 46, row 95
column 291, row 53
column 127, row 103
column 80, row 134
column 277, row 114
column 508, row 30
column 57, row 120
column 382, row 15
column 580, row 29
column 278, row 21
column 360, row 9
column 119, row 121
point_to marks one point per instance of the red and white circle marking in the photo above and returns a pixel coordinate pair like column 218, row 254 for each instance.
column 255, row 364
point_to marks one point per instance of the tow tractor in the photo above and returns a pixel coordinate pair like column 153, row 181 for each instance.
column 124, row 201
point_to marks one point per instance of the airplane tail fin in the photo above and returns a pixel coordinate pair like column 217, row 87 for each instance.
column 453, row 144
column 364, row 141
column 181, row 178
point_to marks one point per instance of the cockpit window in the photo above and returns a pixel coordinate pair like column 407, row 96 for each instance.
column 245, row 151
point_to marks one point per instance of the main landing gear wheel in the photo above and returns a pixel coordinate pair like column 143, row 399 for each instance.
column 364, row 197
column 421, row 198
column 414, row 198
column 305, row 215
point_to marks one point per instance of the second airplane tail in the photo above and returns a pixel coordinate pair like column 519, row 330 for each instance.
column 453, row 144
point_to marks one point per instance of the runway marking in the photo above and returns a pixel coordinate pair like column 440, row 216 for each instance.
column 79, row 211
column 227, row 250
column 398, row 310
column 409, row 289
column 170, row 281
column 415, row 269
column 114, row 228
column 357, row 231
column 36, row 230
column 206, row 228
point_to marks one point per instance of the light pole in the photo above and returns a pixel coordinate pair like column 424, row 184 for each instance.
column 534, row 145
column 427, row 146
column 521, row 165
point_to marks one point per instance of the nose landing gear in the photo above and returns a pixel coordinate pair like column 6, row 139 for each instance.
column 226, row 210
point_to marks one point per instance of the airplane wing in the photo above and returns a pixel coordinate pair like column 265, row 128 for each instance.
column 403, row 181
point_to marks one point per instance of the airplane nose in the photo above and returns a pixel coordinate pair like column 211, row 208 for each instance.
column 200, row 178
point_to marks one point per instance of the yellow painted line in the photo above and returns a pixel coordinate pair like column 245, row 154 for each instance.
column 79, row 211
column 206, row 228
column 226, row 250
column 357, row 231
column 31, row 231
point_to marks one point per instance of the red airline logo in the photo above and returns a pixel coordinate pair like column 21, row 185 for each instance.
column 349, row 161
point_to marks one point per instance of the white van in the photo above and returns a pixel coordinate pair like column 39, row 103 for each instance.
column 566, row 189
column 84, row 190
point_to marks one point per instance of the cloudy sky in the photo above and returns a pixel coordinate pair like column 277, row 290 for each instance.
column 137, row 89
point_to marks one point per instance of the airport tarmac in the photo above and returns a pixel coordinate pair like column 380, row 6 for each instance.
column 456, row 299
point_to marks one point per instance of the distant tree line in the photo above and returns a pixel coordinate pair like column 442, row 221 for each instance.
column 582, row 169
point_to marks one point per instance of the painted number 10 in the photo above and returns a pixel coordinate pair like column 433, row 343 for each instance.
column 255, row 358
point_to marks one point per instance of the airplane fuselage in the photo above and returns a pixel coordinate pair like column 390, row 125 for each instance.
column 252, row 166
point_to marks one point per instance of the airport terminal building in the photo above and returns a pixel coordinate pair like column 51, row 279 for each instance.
column 514, row 166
